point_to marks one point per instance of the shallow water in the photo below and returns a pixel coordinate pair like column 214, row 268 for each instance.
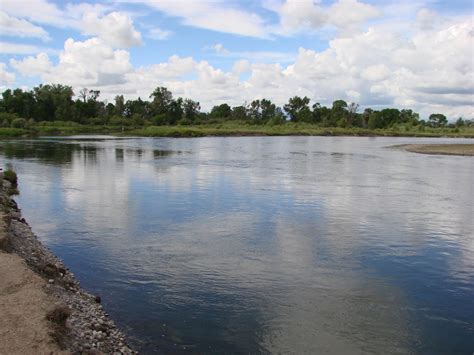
column 261, row 244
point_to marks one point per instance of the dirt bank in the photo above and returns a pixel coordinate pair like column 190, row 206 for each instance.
column 42, row 306
column 440, row 149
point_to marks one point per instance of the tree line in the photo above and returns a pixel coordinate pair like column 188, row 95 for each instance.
column 57, row 102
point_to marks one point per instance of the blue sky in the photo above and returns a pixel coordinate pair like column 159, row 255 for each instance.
column 408, row 54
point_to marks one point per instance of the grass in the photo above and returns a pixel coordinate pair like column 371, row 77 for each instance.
column 290, row 129
column 231, row 128
column 13, row 132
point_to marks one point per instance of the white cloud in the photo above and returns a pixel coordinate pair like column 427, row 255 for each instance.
column 158, row 34
column 256, row 56
column 426, row 19
column 212, row 15
column 302, row 15
column 12, row 26
column 15, row 48
column 346, row 14
column 48, row 13
column 296, row 14
column 40, row 11
column 115, row 28
column 431, row 70
column 89, row 63
column 31, row 66
column 6, row 78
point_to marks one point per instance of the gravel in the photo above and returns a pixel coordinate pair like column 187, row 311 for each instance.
column 89, row 330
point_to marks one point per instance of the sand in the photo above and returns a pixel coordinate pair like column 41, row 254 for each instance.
column 440, row 149
column 24, row 305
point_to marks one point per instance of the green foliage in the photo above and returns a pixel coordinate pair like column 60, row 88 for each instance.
column 221, row 111
column 10, row 175
column 7, row 118
column 437, row 120
column 297, row 107
column 19, row 123
column 12, row 132
column 53, row 109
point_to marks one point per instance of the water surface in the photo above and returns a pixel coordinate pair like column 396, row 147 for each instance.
column 291, row 245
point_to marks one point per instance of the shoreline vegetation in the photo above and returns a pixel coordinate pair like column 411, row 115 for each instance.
column 55, row 109
column 43, row 307
column 229, row 129
column 439, row 149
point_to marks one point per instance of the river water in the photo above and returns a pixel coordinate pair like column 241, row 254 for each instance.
column 290, row 245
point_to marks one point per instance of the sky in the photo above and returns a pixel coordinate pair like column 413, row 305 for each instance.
column 416, row 54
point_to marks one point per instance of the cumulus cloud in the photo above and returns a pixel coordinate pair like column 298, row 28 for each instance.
column 31, row 66
column 429, row 71
column 299, row 15
column 88, row 63
column 346, row 14
column 6, row 78
column 115, row 28
column 12, row 26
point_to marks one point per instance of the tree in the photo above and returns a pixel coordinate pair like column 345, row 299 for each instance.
column 162, row 99
column 460, row 122
column 119, row 108
column 437, row 120
column 352, row 113
column 338, row 112
column 221, row 111
column 191, row 109
column 297, row 108
column 175, row 112
column 239, row 113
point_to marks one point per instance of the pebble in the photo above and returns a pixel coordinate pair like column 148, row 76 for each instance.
column 89, row 323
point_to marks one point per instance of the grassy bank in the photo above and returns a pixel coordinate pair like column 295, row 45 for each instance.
column 440, row 149
column 230, row 128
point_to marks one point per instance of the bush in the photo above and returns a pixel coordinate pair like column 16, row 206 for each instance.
column 8, row 117
column 18, row 123
column 184, row 122
column 11, row 176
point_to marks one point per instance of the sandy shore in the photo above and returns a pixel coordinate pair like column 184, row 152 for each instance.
column 42, row 306
column 440, row 149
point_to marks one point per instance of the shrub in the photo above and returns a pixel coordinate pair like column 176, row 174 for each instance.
column 8, row 117
column 11, row 176
column 18, row 123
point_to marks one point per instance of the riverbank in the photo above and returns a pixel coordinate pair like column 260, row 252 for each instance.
column 43, row 308
column 440, row 149
column 231, row 129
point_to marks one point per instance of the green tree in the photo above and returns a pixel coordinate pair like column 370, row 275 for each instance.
column 239, row 113
column 221, row 111
column 119, row 107
column 162, row 100
column 437, row 120
column 297, row 108
column 191, row 109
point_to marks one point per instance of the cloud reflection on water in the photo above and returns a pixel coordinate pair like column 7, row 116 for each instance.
column 298, row 229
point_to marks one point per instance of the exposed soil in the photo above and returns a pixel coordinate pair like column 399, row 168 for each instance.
column 43, row 309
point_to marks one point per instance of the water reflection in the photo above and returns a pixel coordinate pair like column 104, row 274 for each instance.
column 278, row 245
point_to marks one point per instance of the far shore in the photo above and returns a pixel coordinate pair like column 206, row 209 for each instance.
column 440, row 149
column 228, row 129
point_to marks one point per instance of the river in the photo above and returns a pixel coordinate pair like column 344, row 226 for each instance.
column 291, row 245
